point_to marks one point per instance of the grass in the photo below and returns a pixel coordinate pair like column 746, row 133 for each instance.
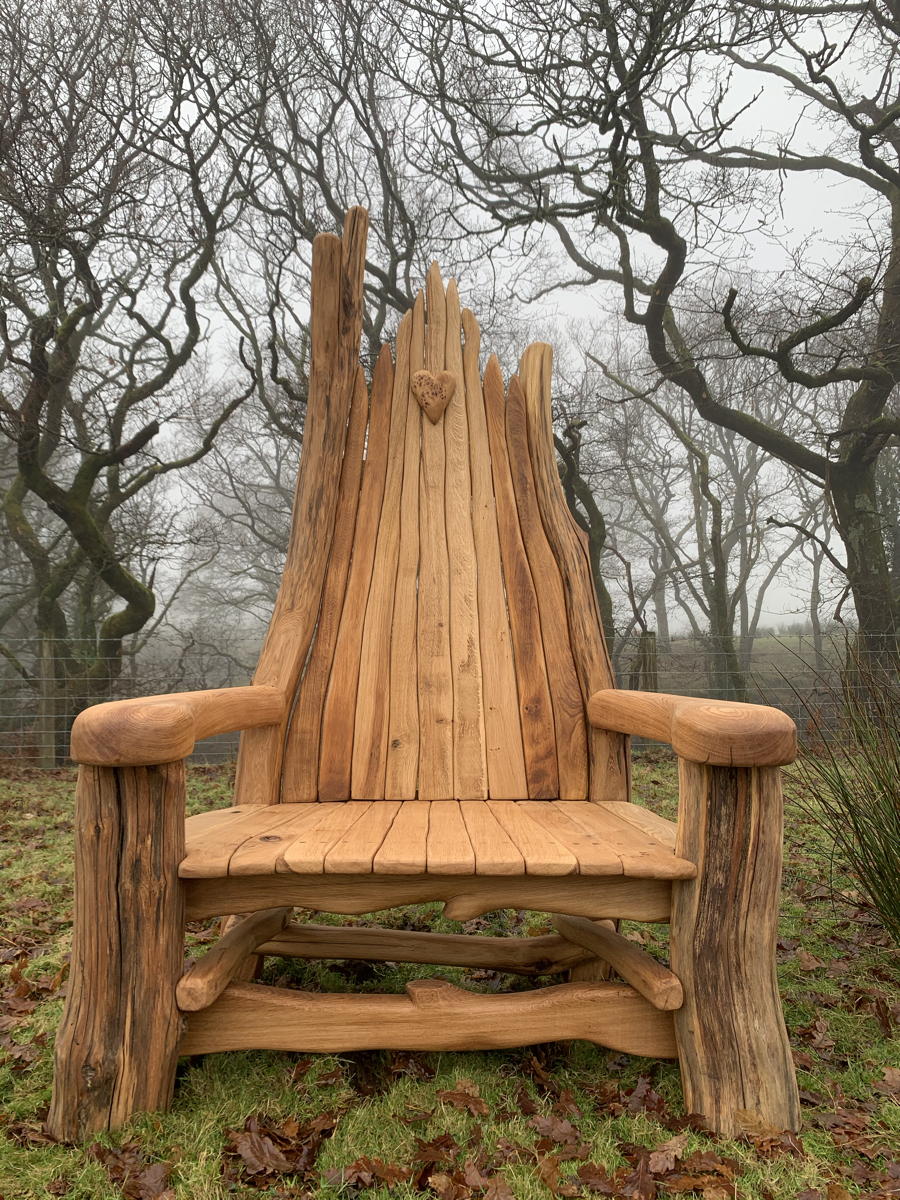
column 838, row 975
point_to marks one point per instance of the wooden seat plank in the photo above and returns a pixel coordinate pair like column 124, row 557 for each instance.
column 495, row 853
column 355, row 849
column 209, row 850
column 642, row 857
column 258, row 855
column 595, row 856
column 645, row 819
column 543, row 854
column 306, row 853
column 449, row 850
column 403, row 851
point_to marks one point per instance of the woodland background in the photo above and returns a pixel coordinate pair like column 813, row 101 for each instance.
column 699, row 205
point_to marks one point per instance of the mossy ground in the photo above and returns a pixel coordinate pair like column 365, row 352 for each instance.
column 839, row 979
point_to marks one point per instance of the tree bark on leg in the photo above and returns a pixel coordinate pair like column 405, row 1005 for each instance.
column 117, row 1044
column 732, row 1043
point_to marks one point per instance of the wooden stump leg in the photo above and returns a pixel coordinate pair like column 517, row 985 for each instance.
column 732, row 1042
column 117, row 1045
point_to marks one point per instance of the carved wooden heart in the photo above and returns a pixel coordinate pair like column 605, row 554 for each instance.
column 433, row 392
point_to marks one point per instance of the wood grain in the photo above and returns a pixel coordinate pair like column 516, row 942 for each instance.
column 403, row 743
column 470, row 780
column 542, row 853
column 205, row 979
column 717, row 732
column 155, row 729
column 404, row 849
column 117, row 1044
column 434, row 1015
column 369, row 743
column 339, row 711
column 500, row 837
column 607, row 759
column 642, row 857
column 535, row 706
column 435, row 681
column 335, row 328
column 654, row 982
column 549, row 954
column 502, row 724
column 300, row 772
column 733, row 1048
column 449, row 850
column 569, row 717
column 464, row 896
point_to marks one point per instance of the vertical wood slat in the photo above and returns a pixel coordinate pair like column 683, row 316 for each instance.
column 568, row 704
column 608, row 767
column 435, row 685
column 469, row 764
column 339, row 709
column 300, row 772
column 502, row 725
column 371, row 720
column 402, row 773
column 535, row 706
column 336, row 326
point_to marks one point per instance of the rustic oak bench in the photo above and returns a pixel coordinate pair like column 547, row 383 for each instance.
column 433, row 718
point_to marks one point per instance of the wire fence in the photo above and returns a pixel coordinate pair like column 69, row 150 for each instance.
column 43, row 685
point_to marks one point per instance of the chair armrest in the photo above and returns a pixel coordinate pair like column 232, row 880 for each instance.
column 718, row 732
column 161, row 729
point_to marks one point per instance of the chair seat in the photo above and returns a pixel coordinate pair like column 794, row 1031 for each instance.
column 441, row 837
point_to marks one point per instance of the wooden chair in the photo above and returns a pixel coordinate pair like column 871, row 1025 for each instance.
column 433, row 718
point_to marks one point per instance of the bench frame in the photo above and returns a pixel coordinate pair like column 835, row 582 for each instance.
column 132, row 1008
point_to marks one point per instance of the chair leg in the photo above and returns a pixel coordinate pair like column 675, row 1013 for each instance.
column 117, row 1044
column 735, row 1059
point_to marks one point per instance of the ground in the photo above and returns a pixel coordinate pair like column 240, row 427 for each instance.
column 561, row 1119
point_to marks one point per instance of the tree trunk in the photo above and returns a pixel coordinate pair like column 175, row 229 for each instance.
column 49, row 734
column 862, row 530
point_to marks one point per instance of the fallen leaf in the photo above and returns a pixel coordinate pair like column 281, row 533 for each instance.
column 664, row 1157
column 596, row 1179
column 498, row 1189
column 837, row 1191
column 260, row 1154
column 889, row 1083
column 807, row 961
column 465, row 1096
column 447, row 1188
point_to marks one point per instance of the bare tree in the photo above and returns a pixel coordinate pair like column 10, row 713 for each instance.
column 625, row 133
column 114, row 196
